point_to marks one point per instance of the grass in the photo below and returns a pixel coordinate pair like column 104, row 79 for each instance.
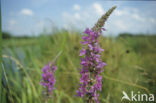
column 130, row 67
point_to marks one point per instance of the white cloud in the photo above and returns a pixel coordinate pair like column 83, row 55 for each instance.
column 153, row 20
column 98, row 8
column 12, row 22
column 72, row 20
column 130, row 13
column 138, row 17
column 26, row 12
column 121, row 25
column 77, row 16
column 76, row 7
column 120, row 12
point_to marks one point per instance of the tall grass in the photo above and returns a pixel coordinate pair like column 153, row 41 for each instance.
column 24, row 58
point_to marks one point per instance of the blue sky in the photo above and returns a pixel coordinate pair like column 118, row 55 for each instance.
column 31, row 17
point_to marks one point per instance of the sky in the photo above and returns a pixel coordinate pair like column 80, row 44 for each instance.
column 32, row 17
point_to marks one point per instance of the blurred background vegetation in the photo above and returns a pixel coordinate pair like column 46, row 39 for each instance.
column 130, row 66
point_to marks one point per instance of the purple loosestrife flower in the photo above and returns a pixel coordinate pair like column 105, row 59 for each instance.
column 48, row 79
column 91, row 61
column 92, row 65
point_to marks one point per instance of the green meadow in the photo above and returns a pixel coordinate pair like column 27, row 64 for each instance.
column 131, row 66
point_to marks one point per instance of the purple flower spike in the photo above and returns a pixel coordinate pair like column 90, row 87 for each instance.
column 92, row 64
column 48, row 79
